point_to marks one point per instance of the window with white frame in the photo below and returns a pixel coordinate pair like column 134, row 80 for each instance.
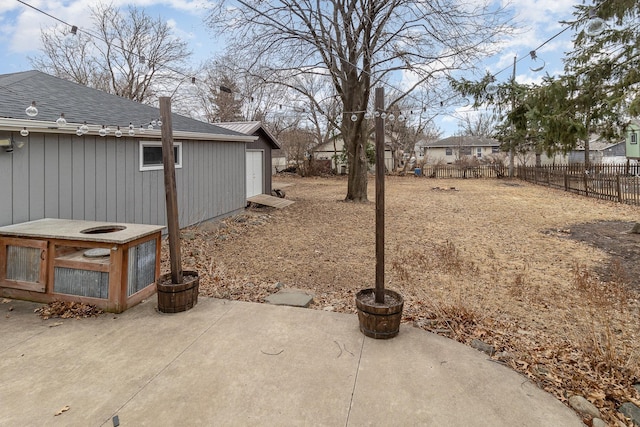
column 634, row 138
column 479, row 152
column 151, row 155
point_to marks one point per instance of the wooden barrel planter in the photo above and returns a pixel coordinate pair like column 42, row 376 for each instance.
column 174, row 298
column 380, row 321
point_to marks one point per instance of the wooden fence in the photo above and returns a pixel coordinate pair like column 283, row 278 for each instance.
column 454, row 171
column 609, row 182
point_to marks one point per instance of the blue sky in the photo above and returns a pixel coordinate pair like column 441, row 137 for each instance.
column 538, row 19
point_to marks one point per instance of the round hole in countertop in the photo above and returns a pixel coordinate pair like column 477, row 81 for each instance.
column 103, row 229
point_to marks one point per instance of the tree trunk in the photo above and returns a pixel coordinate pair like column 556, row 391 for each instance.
column 356, row 137
column 358, row 168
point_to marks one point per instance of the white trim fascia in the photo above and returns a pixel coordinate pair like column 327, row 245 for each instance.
column 16, row 125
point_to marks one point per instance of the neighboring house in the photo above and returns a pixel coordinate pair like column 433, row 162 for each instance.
column 259, row 155
column 632, row 140
column 54, row 173
column 600, row 151
column 327, row 151
column 454, row 148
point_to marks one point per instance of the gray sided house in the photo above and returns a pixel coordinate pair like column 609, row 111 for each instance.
column 54, row 173
column 258, row 156
column 600, row 151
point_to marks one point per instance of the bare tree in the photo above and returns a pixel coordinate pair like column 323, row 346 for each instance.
column 357, row 45
column 110, row 54
column 481, row 124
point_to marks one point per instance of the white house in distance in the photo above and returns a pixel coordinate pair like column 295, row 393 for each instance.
column 453, row 148
column 331, row 152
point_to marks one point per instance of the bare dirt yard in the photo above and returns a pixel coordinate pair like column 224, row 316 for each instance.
column 549, row 279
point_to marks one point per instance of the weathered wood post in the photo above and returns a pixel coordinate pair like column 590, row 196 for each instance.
column 379, row 107
column 170, row 190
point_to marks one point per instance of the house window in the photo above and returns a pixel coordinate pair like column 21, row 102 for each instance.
column 151, row 155
column 634, row 138
column 448, row 151
column 478, row 152
column 495, row 149
column 465, row 151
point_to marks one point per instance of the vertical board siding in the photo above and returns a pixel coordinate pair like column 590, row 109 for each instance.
column 98, row 178
column 36, row 177
column 20, row 184
column 52, row 178
column 78, row 179
column 101, row 179
column 90, row 179
column 65, row 177
column 6, row 189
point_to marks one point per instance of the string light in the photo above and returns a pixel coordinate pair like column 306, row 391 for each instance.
column 103, row 131
column 118, row 132
column 79, row 131
column 84, row 128
column 71, row 39
column 132, row 131
column 595, row 25
column 534, row 58
column 24, row 132
column 61, row 122
column 31, row 110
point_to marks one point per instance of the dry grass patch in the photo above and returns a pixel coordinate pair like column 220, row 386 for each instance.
column 509, row 263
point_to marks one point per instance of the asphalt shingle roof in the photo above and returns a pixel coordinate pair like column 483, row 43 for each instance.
column 463, row 141
column 80, row 103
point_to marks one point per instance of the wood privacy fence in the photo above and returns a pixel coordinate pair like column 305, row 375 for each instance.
column 455, row 171
column 609, row 182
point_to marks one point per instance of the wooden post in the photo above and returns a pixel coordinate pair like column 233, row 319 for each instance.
column 619, row 188
column 170, row 190
column 379, row 107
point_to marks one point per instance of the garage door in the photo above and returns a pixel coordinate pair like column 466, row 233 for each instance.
column 254, row 173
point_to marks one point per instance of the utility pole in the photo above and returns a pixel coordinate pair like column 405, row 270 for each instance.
column 512, row 148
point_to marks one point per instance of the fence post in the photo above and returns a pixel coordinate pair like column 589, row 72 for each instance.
column 586, row 188
column 566, row 180
column 619, row 188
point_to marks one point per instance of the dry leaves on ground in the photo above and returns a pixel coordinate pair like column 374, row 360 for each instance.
column 494, row 260
column 67, row 310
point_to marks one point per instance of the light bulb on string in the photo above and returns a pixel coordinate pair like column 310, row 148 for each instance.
column 595, row 25
column 159, row 122
column 102, row 131
column 534, row 58
column 354, row 117
column 491, row 88
column 71, row 39
column 84, row 128
column 79, row 131
column 383, row 115
column 143, row 67
column 367, row 115
column 154, row 122
column 150, row 127
column 141, row 129
column 24, row 132
column 118, row 132
column 401, row 118
column 377, row 114
column 31, row 110
column 61, row 122
column 391, row 117
column 132, row 131
column 193, row 87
